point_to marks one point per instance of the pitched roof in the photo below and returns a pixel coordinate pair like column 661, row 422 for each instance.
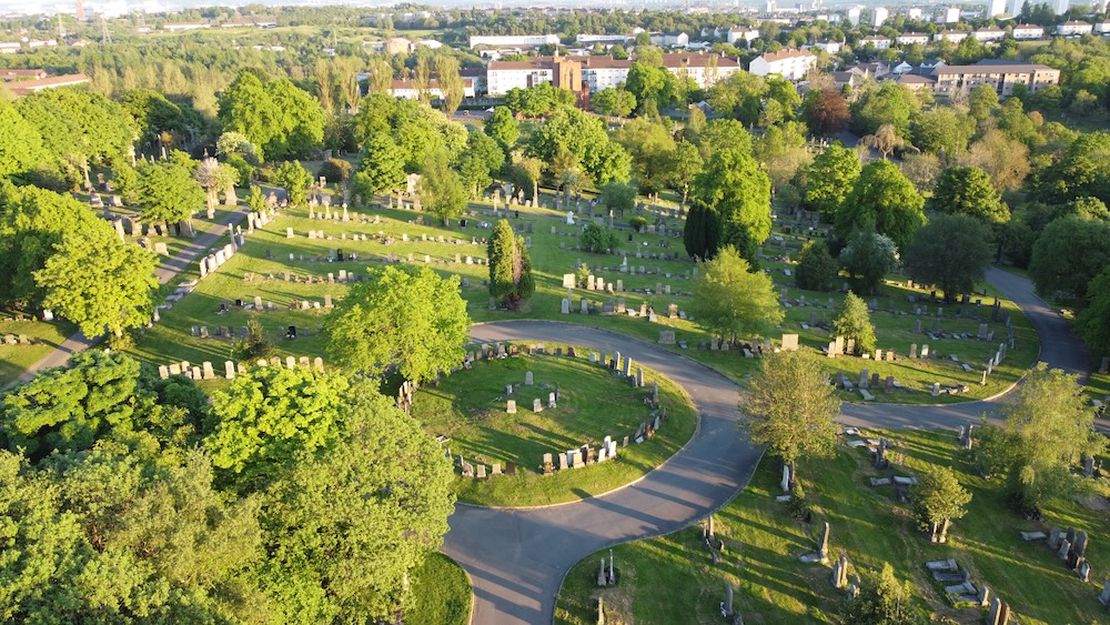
column 993, row 67
column 786, row 53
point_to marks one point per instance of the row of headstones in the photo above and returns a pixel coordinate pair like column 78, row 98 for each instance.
column 1071, row 548
column 582, row 456
column 206, row 371
column 866, row 383
column 18, row 339
column 212, row 262
column 959, row 588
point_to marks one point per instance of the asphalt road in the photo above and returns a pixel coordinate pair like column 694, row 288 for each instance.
column 517, row 558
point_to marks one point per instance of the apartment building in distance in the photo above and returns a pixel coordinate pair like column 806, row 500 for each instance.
column 408, row 89
column 594, row 73
column 789, row 63
column 1001, row 75
column 1074, row 29
column 1027, row 32
column 513, row 40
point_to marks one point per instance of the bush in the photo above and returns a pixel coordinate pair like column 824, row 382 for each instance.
column 335, row 170
column 597, row 239
column 817, row 269
column 240, row 164
column 637, row 223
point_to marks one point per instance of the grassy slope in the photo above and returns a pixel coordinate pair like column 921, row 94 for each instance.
column 15, row 359
column 469, row 407
column 670, row 578
column 441, row 593
column 170, row 340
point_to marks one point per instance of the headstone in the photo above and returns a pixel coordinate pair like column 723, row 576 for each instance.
column 229, row 370
column 537, row 405
column 565, row 308
column 510, row 406
column 528, row 378
column 823, row 546
column 789, row 342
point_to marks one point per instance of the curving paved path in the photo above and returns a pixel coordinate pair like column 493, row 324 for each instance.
column 517, row 558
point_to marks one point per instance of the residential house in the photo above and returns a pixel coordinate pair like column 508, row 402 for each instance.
column 788, row 63
column 906, row 39
column 1074, row 29
column 989, row 34
column 955, row 36
column 876, row 42
column 1027, row 32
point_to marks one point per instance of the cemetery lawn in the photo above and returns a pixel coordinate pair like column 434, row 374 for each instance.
column 441, row 593
column 259, row 269
column 45, row 336
column 670, row 579
column 469, row 408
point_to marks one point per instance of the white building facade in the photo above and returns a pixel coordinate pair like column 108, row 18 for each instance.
column 790, row 64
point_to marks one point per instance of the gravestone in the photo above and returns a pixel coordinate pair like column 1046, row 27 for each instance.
column 565, row 308
column 528, row 378
column 789, row 342
column 229, row 370
column 510, row 406
column 537, row 405
column 666, row 337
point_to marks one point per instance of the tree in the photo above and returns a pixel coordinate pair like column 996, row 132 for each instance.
column 1047, row 428
column 33, row 222
column 890, row 103
column 441, row 188
column 510, row 268
column 685, row 165
column 701, row 233
column 450, row 83
column 21, row 148
column 651, row 146
column 817, row 270
column 982, row 101
column 598, row 239
column 347, row 526
column 886, row 140
column 884, row 601
column 618, row 197
column 168, row 190
column 255, row 344
column 296, row 180
column 1082, row 170
column 1005, row 160
column 791, row 407
column 482, row 158
column 530, row 169
column 1093, row 322
column 830, row 178
column 782, row 150
column 503, row 128
column 614, row 102
column 382, row 168
column 408, row 318
column 826, row 111
column 885, row 200
column 99, row 283
column 262, row 420
column 1068, row 254
column 943, row 131
column 647, row 81
column 951, row 251
column 277, row 115
column 740, row 192
column 854, row 323
column 583, row 137
column 938, row 498
column 962, row 190
column 732, row 300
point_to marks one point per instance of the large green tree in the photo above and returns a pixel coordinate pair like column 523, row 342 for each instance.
column 1082, row 170
column 441, row 189
column 868, row 257
column 510, row 268
column 817, row 270
column 890, row 103
column 951, row 251
column 790, row 407
column 583, row 137
column 101, row 284
column 168, row 190
column 614, row 102
column 477, row 165
column 938, row 499
column 21, row 147
column 296, row 180
column 854, row 322
column 731, row 300
column 943, row 131
column 830, row 178
column 701, row 233
column 1068, row 255
column 740, row 191
column 965, row 190
column 404, row 317
column 285, row 120
column 884, row 199
column 382, row 168
column 503, row 128
column 1093, row 322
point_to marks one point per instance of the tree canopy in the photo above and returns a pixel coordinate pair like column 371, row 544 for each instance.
column 1068, row 254
column 882, row 198
column 731, row 300
column 968, row 191
column 510, row 268
column 830, row 178
column 733, row 183
column 286, row 121
column 951, row 251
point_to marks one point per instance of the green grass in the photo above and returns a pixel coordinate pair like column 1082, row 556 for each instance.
column 45, row 336
column 670, row 579
column 469, row 407
column 441, row 593
column 171, row 340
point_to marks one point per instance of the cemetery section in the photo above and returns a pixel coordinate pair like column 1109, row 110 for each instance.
column 534, row 424
column 759, row 549
column 290, row 272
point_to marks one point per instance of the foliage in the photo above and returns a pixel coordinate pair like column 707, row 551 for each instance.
column 614, row 102
column 296, row 180
column 416, row 128
column 884, row 601
column 21, row 146
column 382, row 168
column 890, row 103
column 256, row 201
column 168, row 190
column 346, row 526
column 701, row 233
column 99, row 283
column 481, row 160
column 652, row 148
column 1068, row 255
column 450, row 83
column 637, row 223
column 882, row 198
column 825, row 110
column 951, row 251
column 404, row 317
column 854, row 323
column 441, row 188
column 740, row 192
column 885, row 139
column 503, row 128
column 782, row 151
column 943, row 130
column 686, row 163
column 830, row 178
column 236, row 143
column 583, row 137
column 618, row 197
column 283, row 119
column 791, row 407
column 939, row 498
column 1082, row 170
column 538, row 101
column 255, row 344
column 598, row 239
column 335, row 170
column 968, row 191
column 1093, row 322
column 817, row 270
column 731, row 300
column 1005, row 160
column 510, row 268
column 32, row 222
column 263, row 419
column 1047, row 427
